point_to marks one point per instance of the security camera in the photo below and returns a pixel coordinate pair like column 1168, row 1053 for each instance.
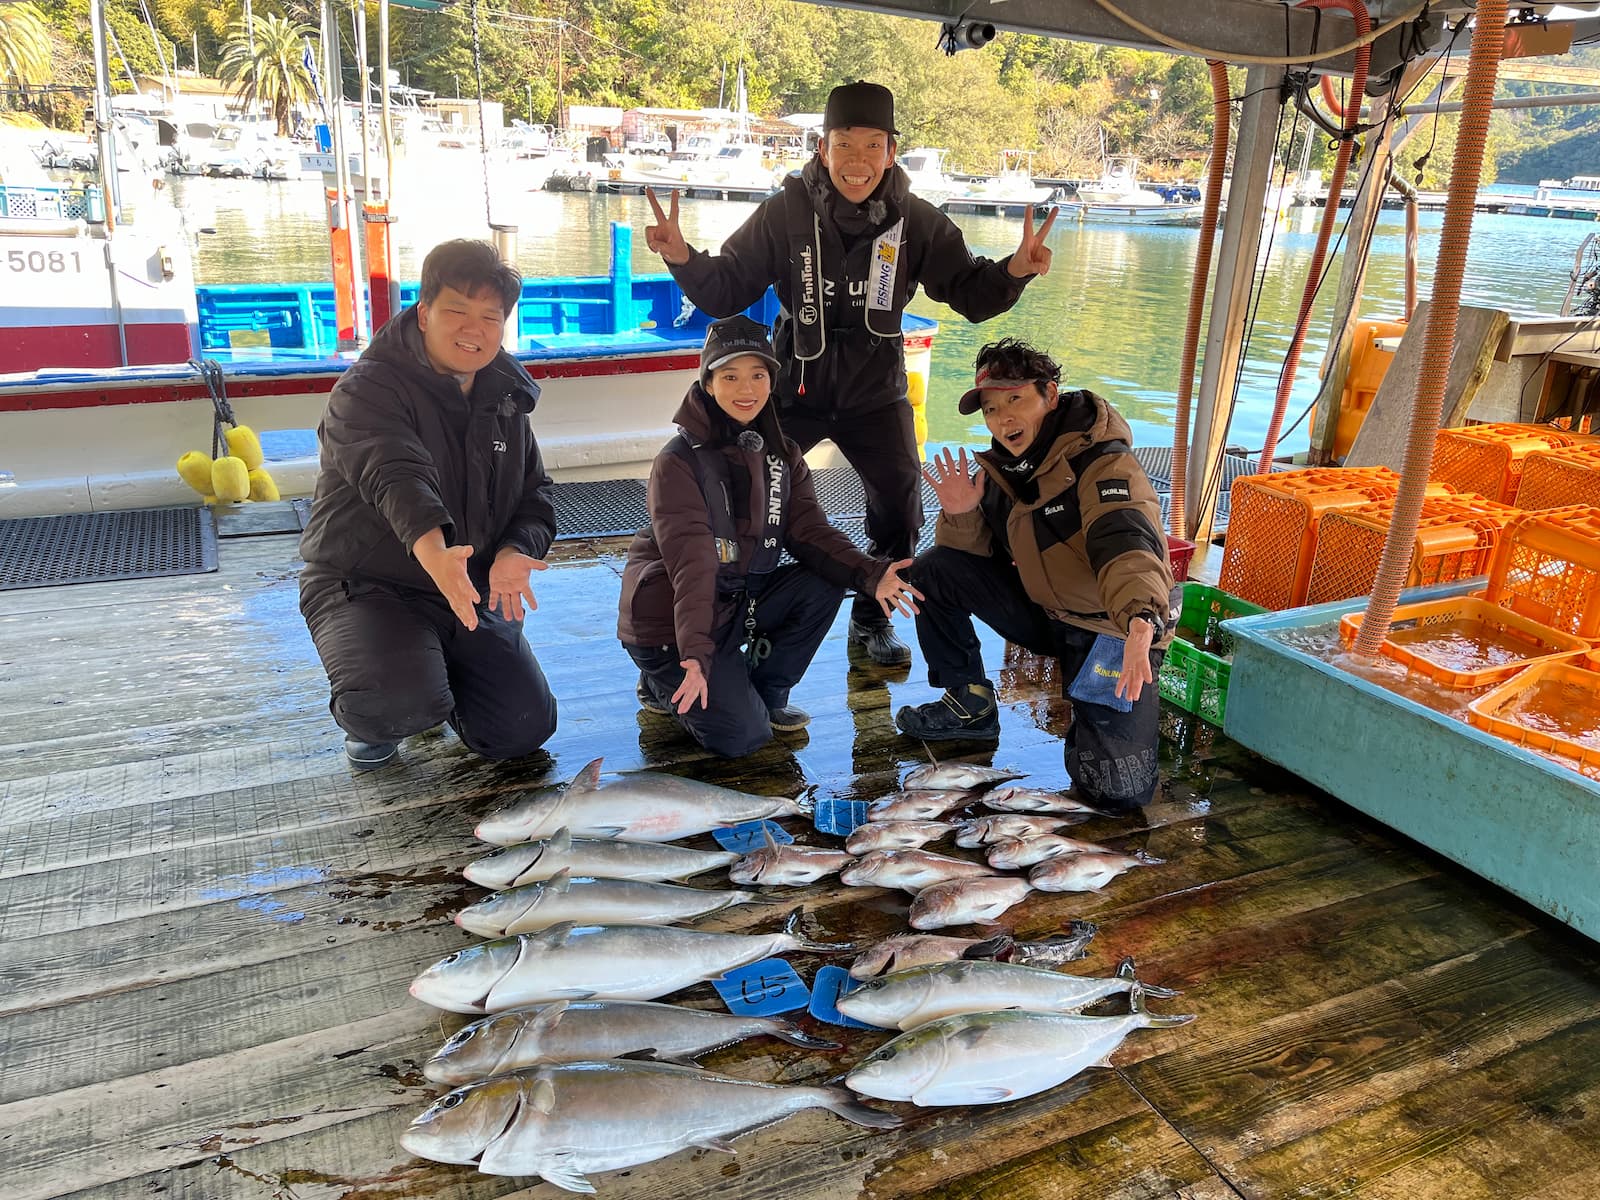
column 965, row 35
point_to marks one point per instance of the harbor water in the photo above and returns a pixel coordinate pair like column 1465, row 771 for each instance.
column 1111, row 310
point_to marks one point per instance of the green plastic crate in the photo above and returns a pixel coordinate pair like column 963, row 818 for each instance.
column 1196, row 680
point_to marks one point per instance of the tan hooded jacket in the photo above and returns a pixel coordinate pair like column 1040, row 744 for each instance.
column 1090, row 549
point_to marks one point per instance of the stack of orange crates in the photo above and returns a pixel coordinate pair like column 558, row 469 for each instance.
column 1547, row 568
column 1272, row 527
column 1554, row 478
column 1488, row 459
column 1456, row 539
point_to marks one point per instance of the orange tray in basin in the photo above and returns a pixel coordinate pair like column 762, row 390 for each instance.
column 1575, row 691
column 1541, row 642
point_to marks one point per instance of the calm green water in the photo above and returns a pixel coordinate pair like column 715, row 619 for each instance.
column 1111, row 309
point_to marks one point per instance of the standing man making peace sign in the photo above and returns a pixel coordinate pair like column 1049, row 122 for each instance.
column 846, row 245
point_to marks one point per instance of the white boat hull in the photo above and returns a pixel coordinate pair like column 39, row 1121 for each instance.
column 1133, row 214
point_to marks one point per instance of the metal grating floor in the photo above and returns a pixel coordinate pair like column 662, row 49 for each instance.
column 99, row 547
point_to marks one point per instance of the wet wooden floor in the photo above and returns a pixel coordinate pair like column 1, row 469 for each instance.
column 208, row 924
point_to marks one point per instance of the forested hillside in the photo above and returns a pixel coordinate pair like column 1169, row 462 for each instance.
column 1064, row 100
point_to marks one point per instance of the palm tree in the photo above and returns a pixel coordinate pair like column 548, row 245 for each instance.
column 268, row 67
column 25, row 55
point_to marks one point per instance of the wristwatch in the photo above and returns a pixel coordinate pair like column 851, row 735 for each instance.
column 1156, row 623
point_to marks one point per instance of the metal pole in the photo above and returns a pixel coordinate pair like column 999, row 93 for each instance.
column 250, row 32
column 505, row 244
column 1236, row 263
column 196, row 36
column 363, row 75
column 106, row 158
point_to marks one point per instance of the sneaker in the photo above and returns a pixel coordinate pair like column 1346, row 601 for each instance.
column 966, row 713
column 647, row 698
column 882, row 644
column 788, row 718
column 364, row 756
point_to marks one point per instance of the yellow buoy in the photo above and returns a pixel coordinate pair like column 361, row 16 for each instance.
column 230, row 480
column 194, row 468
column 244, row 445
column 261, row 485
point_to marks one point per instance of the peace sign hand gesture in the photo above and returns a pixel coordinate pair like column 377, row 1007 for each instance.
column 664, row 237
column 1031, row 257
column 958, row 490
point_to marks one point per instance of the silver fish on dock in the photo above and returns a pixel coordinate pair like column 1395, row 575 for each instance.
column 919, row 804
column 966, row 901
column 916, row 996
column 586, row 900
column 776, row 865
column 604, row 858
column 895, row 835
column 915, row 949
column 984, row 831
column 1010, row 854
column 1036, row 800
column 565, row 1122
column 642, row 806
column 578, row 1030
column 605, row 962
column 1087, row 872
column 991, row 1057
column 910, row 870
column 957, row 776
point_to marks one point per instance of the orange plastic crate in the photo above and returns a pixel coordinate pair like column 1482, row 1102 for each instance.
column 1272, row 528
column 1554, row 478
column 1454, row 540
column 1554, row 707
column 1538, row 641
column 1547, row 568
column 1488, row 459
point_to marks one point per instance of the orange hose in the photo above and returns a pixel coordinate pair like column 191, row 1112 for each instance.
column 1483, row 69
column 1220, row 99
column 1330, row 97
column 1330, row 216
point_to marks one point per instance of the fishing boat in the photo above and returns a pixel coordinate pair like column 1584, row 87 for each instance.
column 924, row 166
column 1010, row 192
column 1119, row 198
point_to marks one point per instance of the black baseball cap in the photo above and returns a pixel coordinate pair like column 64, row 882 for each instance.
column 731, row 338
column 860, row 104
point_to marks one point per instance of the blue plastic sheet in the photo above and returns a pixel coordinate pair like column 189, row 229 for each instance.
column 831, row 983
column 752, row 835
column 839, row 817
column 762, row 989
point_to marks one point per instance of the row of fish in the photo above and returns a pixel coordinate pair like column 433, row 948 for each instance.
column 589, row 896
column 575, row 1069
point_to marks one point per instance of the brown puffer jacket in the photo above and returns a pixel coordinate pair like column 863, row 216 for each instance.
column 670, row 592
column 1090, row 548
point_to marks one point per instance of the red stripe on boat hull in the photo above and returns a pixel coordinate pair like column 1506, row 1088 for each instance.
column 312, row 381
column 35, row 347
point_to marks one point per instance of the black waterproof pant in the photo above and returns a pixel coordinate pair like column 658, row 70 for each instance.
column 793, row 614
column 399, row 662
column 1110, row 755
column 881, row 444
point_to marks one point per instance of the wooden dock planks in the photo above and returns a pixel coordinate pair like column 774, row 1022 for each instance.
column 209, row 923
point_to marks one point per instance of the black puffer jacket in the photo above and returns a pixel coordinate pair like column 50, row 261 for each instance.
column 856, row 368
column 670, row 588
column 404, row 451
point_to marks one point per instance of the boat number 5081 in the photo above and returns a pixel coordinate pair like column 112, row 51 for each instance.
column 43, row 262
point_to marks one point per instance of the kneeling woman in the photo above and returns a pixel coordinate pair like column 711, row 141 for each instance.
column 719, row 630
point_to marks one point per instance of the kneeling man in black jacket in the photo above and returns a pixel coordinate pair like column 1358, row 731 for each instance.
column 432, row 508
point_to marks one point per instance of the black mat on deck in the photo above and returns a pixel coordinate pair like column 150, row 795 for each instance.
column 100, row 547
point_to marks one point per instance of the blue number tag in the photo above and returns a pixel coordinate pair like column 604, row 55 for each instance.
column 829, row 985
column 763, row 988
column 752, row 835
column 839, row 817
